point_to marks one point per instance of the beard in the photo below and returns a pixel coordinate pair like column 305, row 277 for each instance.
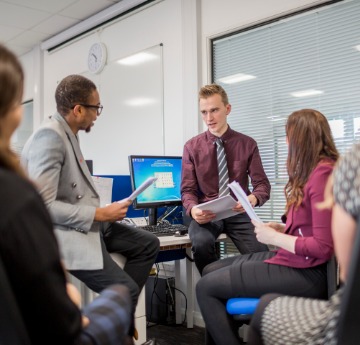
column 87, row 129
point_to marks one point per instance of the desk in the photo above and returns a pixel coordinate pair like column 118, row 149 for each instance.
column 183, row 242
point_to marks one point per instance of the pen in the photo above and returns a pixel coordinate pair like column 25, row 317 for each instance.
column 301, row 234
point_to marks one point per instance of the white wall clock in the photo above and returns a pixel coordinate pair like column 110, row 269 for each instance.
column 97, row 57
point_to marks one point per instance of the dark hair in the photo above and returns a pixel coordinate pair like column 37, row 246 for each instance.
column 11, row 92
column 310, row 141
column 213, row 89
column 72, row 90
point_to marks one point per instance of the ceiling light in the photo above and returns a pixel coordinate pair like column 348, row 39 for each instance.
column 236, row 78
column 306, row 93
column 136, row 59
column 138, row 102
column 357, row 47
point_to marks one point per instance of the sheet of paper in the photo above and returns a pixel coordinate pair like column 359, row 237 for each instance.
column 147, row 183
column 222, row 207
column 103, row 186
column 242, row 197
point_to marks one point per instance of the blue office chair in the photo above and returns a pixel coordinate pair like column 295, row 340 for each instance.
column 242, row 308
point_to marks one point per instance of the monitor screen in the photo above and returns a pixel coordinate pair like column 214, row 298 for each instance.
column 165, row 191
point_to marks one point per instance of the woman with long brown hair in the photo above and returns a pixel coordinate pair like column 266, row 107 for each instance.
column 286, row 320
column 30, row 255
column 304, row 241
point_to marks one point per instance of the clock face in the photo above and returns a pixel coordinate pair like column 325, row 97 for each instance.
column 97, row 57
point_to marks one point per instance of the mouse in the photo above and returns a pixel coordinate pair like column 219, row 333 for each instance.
column 179, row 233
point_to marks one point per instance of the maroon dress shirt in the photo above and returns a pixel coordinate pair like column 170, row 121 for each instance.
column 200, row 179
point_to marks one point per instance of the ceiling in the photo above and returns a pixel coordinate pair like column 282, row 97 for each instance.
column 26, row 23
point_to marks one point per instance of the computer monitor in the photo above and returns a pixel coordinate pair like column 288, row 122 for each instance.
column 165, row 191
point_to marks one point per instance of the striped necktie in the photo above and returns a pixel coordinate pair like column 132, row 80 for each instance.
column 223, row 171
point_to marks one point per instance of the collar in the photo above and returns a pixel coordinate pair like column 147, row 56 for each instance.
column 58, row 117
column 227, row 135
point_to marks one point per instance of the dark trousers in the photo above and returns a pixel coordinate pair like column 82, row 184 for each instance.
column 239, row 228
column 249, row 276
column 140, row 249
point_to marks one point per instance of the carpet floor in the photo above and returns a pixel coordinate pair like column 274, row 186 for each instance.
column 176, row 335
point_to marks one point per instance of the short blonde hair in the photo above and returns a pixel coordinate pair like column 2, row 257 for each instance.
column 213, row 89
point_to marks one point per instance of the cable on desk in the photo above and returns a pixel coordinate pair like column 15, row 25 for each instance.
column 167, row 213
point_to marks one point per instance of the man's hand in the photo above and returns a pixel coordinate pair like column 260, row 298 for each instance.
column 239, row 207
column 202, row 216
column 113, row 212
column 253, row 200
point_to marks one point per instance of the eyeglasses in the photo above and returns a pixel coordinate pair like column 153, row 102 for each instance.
column 98, row 108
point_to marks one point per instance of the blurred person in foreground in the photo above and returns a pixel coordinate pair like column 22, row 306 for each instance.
column 49, row 306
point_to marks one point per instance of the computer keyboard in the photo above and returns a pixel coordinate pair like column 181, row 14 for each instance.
column 164, row 229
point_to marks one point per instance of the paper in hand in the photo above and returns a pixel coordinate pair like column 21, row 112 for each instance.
column 242, row 197
column 222, row 207
column 147, row 183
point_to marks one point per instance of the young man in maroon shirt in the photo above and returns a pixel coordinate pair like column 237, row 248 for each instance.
column 200, row 179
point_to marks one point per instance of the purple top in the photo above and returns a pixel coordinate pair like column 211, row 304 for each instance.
column 200, row 179
column 314, row 245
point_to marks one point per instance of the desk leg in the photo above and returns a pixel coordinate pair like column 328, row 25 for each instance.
column 190, row 290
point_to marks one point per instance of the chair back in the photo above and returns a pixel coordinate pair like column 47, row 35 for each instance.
column 332, row 276
column 12, row 328
column 348, row 325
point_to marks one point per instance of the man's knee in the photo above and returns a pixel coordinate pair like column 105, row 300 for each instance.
column 205, row 244
column 155, row 246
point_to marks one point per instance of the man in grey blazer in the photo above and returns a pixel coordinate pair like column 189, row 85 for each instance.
column 86, row 232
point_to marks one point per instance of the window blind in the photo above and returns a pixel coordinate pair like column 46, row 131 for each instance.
column 316, row 53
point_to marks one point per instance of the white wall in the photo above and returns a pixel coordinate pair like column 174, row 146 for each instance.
column 185, row 28
column 170, row 22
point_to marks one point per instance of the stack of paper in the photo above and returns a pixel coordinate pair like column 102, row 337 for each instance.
column 222, row 207
column 147, row 183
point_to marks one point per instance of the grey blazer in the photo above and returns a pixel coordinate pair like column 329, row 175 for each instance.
column 53, row 160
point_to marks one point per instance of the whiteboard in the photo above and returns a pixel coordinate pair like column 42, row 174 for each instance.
column 132, row 121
